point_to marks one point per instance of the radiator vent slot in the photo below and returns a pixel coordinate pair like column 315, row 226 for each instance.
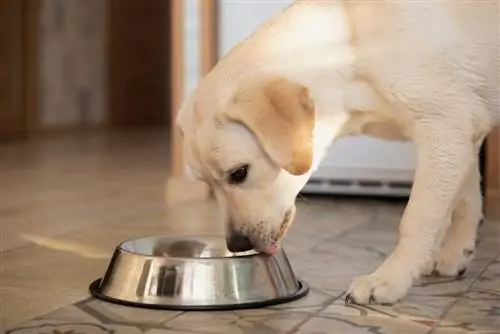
column 361, row 187
column 400, row 185
column 370, row 184
column 341, row 183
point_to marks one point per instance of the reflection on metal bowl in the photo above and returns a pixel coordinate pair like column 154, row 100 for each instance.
column 195, row 273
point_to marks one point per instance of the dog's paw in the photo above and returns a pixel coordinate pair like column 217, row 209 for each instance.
column 451, row 261
column 378, row 288
column 429, row 268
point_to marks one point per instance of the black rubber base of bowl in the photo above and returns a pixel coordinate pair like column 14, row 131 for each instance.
column 301, row 292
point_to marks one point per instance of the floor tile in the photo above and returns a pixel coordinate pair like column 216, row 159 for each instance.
column 374, row 233
column 389, row 213
column 442, row 286
column 456, row 330
column 93, row 316
column 360, row 325
column 489, row 280
column 416, row 308
column 489, row 231
column 170, row 331
column 333, row 264
column 55, row 271
column 486, row 251
column 96, row 311
column 17, row 305
column 265, row 321
column 313, row 302
column 475, row 311
column 60, row 327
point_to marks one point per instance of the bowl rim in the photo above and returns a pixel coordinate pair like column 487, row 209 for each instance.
column 253, row 253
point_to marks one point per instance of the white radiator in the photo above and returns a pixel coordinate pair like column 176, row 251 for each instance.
column 365, row 166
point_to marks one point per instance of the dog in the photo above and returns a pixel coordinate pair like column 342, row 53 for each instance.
column 260, row 122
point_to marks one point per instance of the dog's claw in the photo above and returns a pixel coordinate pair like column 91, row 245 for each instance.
column 434, row 272
column 349, row 300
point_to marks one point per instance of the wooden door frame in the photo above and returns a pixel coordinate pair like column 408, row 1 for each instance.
column 25, row 85
column 31, row 60
column 492, row 175
column 128, row 104
column 180, row 187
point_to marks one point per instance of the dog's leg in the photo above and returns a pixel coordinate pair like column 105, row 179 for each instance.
column 445, row 157
column 438, row 243
column 457, row 249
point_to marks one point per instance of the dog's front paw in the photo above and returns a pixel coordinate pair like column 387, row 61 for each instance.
column 378, row 288
column 429, row 268
column 452, row 261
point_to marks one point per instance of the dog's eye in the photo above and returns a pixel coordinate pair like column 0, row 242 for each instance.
column 238, row 175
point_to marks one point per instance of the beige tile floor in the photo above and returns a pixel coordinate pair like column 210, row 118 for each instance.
column 71, row 200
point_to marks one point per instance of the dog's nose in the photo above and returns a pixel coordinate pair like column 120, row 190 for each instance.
column 238, row 243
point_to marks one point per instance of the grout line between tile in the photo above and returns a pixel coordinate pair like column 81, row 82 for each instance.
column 174, row 317
column 341, row 235
column 44, row 292
column 455, row 302
column 184, row 330
column 327, row 303
column 82, row 306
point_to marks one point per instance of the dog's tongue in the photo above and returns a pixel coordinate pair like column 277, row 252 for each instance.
column 271, row 250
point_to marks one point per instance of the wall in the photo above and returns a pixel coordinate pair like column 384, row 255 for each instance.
column 72, row 63
column 191, row 45
column 239, row 19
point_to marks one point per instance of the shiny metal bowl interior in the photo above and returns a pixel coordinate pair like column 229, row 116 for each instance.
column 195, row 273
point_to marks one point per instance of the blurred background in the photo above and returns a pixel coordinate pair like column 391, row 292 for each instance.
column 83, row 64
column 85, row 110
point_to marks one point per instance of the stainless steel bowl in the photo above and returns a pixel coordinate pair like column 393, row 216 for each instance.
column 196, row 273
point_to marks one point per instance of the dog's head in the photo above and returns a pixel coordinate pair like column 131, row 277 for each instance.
column 255, row 149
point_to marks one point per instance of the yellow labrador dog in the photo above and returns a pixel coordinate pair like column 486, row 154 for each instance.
column 259, row 124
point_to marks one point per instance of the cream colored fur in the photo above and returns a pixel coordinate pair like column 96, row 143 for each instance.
column 423, row 71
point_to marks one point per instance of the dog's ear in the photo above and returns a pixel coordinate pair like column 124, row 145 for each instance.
column 281, row 115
